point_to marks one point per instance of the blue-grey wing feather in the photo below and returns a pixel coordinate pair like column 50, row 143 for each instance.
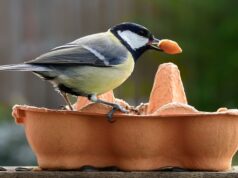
column 94, row 50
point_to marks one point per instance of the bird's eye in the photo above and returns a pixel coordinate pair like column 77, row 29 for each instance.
column 142, row 33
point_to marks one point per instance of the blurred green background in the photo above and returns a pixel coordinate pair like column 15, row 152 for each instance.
column 206, row 30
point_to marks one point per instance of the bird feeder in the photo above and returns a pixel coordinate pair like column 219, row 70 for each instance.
column 165, row 132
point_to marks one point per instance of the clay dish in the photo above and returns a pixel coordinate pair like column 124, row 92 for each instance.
column 165, row 132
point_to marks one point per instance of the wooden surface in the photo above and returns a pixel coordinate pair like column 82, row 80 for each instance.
column 11, row 173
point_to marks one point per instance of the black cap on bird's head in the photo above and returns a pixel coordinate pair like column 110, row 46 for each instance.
column 136, row 38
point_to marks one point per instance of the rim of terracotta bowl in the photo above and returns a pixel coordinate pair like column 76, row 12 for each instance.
column 201, row 114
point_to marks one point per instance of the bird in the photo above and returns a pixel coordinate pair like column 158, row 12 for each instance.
column 94, row 64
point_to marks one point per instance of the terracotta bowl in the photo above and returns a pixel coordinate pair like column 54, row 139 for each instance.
column 165, row 132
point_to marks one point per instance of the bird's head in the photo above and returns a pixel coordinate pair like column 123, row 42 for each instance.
column 138, row 39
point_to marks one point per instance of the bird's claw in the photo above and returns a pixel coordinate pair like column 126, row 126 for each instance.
column 65, row 107
column 114, row 109
column 62, row 107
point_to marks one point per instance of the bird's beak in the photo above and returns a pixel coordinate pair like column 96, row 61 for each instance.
column 154, row 44
column 165, row 45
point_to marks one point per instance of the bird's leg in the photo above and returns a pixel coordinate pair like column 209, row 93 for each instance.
column 115, row 106
column 65, row 96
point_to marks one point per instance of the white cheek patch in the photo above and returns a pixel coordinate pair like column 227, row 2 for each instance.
column 134, row 40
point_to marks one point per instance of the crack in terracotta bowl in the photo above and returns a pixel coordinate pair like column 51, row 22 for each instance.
column 165, row 132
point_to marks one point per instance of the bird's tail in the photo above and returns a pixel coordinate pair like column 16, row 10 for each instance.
column 23, row 67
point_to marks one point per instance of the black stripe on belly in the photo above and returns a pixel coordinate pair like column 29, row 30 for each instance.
column 71, row 91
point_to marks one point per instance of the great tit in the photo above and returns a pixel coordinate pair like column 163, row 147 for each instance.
column 94, row 64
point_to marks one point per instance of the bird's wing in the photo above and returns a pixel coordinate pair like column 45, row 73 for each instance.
column 94, row 50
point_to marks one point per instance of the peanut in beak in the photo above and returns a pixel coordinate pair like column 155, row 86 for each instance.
column 169, row 46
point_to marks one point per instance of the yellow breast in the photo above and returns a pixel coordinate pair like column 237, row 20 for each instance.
column 98, row 80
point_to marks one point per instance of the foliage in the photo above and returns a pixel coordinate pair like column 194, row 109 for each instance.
column 5, row 112
column 207, row 32
column 12, row 141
